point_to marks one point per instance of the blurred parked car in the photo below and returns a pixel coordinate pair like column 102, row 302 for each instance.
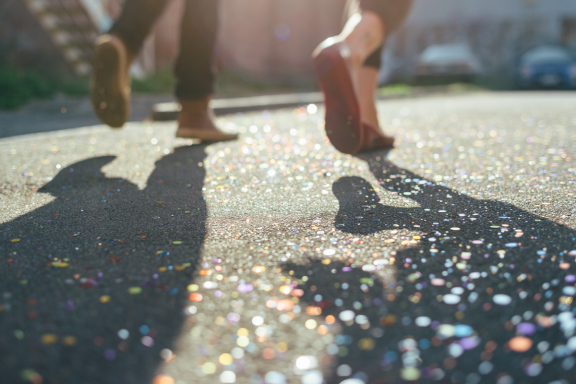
column 393, row 69
column 548, row 66
column 447, row 62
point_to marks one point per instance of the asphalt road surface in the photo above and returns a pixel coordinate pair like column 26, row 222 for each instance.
column 128, row 256
column 66, row 113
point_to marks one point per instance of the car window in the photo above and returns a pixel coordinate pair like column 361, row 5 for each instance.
column 444, row 52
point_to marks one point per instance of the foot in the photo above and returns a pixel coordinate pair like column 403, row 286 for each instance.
column 196, row 121
column 110, row 85
column 374, row 138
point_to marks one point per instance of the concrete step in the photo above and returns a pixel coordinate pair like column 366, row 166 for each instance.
column 170, row 111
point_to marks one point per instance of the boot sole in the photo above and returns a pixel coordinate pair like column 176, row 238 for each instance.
column 205, row 135
column 109, row 93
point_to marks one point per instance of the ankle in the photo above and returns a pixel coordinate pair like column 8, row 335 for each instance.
column 201, row 103
column 196, row 107
column 196, row 113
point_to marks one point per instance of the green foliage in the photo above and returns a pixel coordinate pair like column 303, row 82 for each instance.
column 404, row 90
column 18, row 87
column 74, row 86
column 395, row 90
column 162, row 81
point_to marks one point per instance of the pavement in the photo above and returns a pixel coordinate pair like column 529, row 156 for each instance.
column 129, row 256
column 67, row 112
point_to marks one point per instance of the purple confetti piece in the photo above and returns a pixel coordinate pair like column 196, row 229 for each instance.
column 233, row 317
column 244, row 288
column 526, row 328
column 469, row 342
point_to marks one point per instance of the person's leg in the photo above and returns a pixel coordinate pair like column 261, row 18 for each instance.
column 392, row 13
column 365, row 33
column 338, row 63
column 113, row 55
column 366, row 85
column 136, row 21
column 347, row 67
column 196, row 72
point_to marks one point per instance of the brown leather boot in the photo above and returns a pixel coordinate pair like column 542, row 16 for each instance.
column 196, row 121
column 110, row 83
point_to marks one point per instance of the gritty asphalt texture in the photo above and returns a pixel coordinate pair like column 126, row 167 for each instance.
column 66, row 112
column 129, row 256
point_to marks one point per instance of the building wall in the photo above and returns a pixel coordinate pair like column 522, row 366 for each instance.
column 24, row 44
column 273, row 40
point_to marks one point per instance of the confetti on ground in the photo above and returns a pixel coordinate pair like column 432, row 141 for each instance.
column 448, row 259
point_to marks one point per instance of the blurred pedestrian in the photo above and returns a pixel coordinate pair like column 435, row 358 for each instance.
column 194, row 70
column 347, row 68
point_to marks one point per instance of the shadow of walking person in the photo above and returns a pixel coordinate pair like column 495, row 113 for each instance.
column 93, row 284
column 479, row 292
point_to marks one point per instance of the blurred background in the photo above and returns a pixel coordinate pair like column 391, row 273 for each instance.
column 265, row 46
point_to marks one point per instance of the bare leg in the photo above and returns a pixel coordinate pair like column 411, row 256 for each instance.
column 363, row 34
column 349, row 86
column 366, row 84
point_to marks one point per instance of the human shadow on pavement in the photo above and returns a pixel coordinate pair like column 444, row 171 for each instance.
column 429, row 312
column 95, row 287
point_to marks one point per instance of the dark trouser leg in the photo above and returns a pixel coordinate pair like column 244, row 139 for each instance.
column 136, row 21
column 393, row 13
column 195, row 70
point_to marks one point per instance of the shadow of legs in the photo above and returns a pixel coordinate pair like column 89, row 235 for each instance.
column 102, row 257
column 429, row 311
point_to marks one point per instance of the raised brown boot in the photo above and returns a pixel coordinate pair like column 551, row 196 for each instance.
column 110, row 84
column 196, row 121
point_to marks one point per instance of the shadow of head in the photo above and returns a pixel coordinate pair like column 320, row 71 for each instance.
column 79, row 174
column 351, row 190
column 453, row 218
column 183, row 166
